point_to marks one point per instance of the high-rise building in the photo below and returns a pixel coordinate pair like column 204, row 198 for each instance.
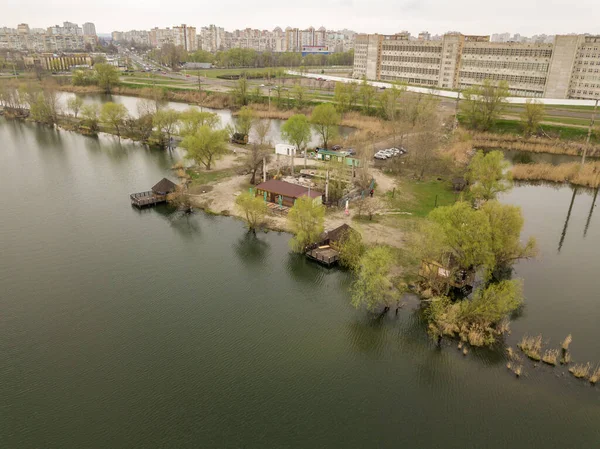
column 89, row 29
column 568, row 67
column 185, row 36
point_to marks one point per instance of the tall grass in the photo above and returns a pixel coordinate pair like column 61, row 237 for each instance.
column 587, row 176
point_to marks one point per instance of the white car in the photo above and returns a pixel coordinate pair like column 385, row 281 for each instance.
column 388, row 152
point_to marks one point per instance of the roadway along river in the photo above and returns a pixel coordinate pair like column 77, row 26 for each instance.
column 123, row 328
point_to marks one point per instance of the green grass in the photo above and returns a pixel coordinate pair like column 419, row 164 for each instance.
column 209, row 176
column 420, row 197
column 567, row 120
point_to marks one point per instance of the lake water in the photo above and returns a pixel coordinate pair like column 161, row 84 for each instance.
column 131, row 103
column 123, row 328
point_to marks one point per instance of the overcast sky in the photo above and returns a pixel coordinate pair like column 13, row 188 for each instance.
column 526, row 17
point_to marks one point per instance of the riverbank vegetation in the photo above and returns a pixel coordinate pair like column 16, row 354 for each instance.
column 587, row 175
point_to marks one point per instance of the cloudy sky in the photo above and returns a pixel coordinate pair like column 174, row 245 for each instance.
column 526, row 17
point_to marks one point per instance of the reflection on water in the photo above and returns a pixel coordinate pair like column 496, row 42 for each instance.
column 565, row 227
column 251, row 249
column 133, row 105
column 589, row 217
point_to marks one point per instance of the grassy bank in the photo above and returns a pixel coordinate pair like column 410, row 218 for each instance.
column 587, row 176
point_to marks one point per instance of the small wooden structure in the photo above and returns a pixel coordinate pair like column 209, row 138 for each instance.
column 324, row 251
column 447, row 275
column 158, row 194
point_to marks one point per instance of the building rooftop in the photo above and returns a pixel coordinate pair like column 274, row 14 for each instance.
column 287, row 189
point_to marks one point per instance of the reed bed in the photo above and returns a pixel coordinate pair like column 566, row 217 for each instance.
column 572, row 172
column 490, row 141
column 581, row 371
column 550, row 357
column 531, row 347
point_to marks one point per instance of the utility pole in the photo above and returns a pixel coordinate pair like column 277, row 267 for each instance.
column 456, row 110
column 327, row 186
column 264, row 169
column 589, row 134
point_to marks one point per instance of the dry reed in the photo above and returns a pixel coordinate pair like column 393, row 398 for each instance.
column 580, row 371
column 533, row 144
column 587, row 176
column 595, row 377
column 566, row 342
column 517, row 369
column 531, row 347
column 550, row 357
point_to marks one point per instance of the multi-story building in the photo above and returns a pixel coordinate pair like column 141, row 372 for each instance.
column 569, row 67
column 185, row 36
column 139, row 37
column 212, row 38
column 53, row 39
column 89, row 29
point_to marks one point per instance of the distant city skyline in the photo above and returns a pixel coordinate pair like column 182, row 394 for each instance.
column 363, row 16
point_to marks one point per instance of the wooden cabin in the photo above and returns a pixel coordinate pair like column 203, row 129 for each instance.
column 289, row 192
column 158, row 194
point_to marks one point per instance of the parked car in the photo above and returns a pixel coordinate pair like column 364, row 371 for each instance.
column 380, row 156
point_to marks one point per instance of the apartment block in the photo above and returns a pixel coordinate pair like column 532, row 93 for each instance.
column 569, row 67
column 53, row 39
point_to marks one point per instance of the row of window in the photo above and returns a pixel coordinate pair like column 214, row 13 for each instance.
column 417, row 59
column 529, row 52
column 535, row 66
column 421, row 70
column 412, row 48
column 409, row 80
column 503, row 77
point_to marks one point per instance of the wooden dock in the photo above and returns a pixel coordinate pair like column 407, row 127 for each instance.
column 324, row 254
column 148, row 198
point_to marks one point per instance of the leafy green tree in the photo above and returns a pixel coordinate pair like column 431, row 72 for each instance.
column 241, row 91
column 484, row 104
column 90, row 114
column 206, row 145
column 299, row 93
column 479, row 320
column 488, row 175
column 506, row 224
column 192, row 119
column 373, row 285
column 531, row 117
column 201, row 56
column 306, row 220
column 244, row 120
column 325, row 121
column 465, row 234
column 351, row 248
column 388, row 101
column 107, row 76
column 367, row 93
column 253, row 208
column 342, row 97
column 113, row 115
column 74, row 105
column 296, row 130
column 165, row 121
